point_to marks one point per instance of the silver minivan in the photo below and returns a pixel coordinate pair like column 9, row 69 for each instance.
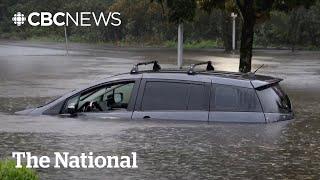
column 190, row 95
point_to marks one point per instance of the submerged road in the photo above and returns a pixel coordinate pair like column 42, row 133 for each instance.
column 33, row 73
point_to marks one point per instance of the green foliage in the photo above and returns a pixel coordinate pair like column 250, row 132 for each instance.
column 202, row 44
column 288, row 5
column 48, row 38
column 170, row 44
column 210, row 5
column 181, row 11
column 145, row 23
column 9, row 172
column 298, row 28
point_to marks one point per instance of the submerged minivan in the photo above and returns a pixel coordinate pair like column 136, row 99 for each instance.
column 204, row 95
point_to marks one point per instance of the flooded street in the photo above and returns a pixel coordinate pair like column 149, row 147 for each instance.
column 32, row 74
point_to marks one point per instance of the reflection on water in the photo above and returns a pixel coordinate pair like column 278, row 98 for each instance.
column 168, row 150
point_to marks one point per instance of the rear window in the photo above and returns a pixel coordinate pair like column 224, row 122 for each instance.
column 234, row 99
column 175, row 96
column 274, row 100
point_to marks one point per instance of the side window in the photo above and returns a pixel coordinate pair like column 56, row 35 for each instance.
column 103, row 99
column 165, row 96
column 198, row 97
column 238, row 99
column 123, row 89
column 89, row 97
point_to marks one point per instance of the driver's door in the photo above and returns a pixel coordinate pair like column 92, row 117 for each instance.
column 113, row 100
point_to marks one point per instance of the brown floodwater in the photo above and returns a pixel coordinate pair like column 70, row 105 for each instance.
column 33, row 73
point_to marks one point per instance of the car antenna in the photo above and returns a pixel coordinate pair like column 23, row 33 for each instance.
column 258, row 69
column 252, row 74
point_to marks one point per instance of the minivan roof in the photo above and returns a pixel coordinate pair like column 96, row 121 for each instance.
column 259, row 80
column 224, row 74
column 248, row 80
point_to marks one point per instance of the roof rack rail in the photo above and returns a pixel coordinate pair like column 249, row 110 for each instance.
column 156, row 67
column 210, row 67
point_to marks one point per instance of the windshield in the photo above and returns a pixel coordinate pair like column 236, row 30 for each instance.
column 53, row 99
column 50, row 101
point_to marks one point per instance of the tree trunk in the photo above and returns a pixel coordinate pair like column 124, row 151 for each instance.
column 247, row 33
column 293, row 29
column 226, row 31
column 180, row 45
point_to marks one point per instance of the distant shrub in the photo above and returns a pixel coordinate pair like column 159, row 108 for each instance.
column 200, row 44
column 9, row 172
column 170, row 44
column 49, row 38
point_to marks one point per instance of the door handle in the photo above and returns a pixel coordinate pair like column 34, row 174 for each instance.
column 146, row 117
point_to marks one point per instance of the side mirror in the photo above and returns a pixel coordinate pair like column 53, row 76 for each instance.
column 118, row 97
column 72, row 108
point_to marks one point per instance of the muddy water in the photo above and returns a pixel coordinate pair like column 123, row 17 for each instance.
column 33, row 74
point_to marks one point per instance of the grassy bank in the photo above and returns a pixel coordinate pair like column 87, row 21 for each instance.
column 200, row 44
column 8, row 171
column 146, row 42
column 188, row 44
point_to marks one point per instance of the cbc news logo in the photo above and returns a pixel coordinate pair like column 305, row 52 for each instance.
column 66, row 19
column 18, row 19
